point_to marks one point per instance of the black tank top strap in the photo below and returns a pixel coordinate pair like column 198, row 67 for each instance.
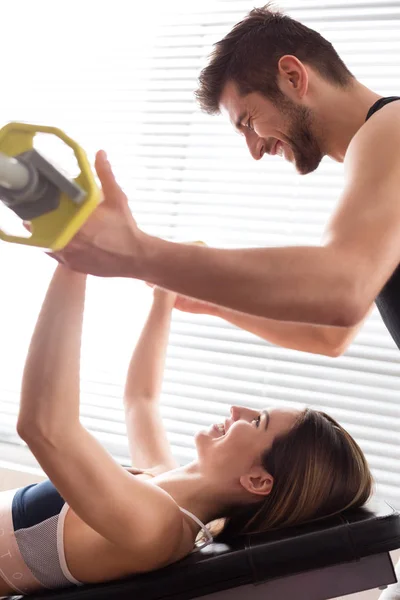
column 380, row 104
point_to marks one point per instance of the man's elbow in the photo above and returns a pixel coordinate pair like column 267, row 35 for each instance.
column 335, row 351
column 335, row 340
column 332, row 348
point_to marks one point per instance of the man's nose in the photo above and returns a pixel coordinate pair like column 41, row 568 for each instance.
column 256, row 146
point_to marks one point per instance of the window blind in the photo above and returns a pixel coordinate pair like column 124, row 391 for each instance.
column 128, row 86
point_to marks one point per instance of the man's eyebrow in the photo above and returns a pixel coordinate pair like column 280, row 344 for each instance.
column 239, row 120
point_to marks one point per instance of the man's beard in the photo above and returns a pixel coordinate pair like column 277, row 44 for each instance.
column 301, row 140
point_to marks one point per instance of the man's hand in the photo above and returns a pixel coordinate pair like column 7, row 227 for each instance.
column 109, row 242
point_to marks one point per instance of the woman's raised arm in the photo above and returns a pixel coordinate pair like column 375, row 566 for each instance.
column 148, row 444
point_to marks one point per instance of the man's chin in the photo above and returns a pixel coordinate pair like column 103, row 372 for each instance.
column 306, row 168
column 302, row 167
column 302, row 170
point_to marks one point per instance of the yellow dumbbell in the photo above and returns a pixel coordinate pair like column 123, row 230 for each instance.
column 38, row 192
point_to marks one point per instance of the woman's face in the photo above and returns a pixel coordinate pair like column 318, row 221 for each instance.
column 234, row 448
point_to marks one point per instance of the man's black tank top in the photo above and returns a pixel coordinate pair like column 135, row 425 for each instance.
column 388, row 301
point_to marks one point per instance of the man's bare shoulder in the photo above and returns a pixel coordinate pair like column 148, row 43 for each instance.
column 377, row 141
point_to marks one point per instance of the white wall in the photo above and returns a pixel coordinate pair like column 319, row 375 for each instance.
column 13, row 476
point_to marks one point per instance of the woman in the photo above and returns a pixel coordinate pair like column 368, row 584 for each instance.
column 94, row 521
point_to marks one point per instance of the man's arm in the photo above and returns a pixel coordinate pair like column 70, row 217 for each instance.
column 334, row 284
column 305, row 337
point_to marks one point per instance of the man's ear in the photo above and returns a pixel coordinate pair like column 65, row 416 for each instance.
column 292, row 77
column 257, row 481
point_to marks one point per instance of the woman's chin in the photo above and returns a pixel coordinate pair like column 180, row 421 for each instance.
column 205, row 437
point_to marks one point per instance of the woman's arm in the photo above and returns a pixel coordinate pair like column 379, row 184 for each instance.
column 142, row 519
column 51, row 378
column 148, row 443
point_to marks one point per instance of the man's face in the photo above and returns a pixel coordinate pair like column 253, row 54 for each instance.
column 285, row 130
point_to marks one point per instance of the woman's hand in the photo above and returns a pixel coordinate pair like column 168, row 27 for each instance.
column 184, row 303
column 192, row 305
column 161, row 295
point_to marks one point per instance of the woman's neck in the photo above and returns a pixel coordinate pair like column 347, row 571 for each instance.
column 191, row 490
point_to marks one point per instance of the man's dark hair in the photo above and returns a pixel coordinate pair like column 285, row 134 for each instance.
column 248, row 55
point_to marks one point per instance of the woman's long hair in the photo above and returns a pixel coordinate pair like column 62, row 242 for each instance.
column 318, row 471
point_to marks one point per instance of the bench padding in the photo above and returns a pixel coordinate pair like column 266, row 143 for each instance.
column 344, row 538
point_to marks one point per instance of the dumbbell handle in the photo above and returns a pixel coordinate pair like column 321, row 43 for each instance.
column 14, row 175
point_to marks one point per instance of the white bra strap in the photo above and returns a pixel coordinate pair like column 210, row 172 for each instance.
column 203, row 527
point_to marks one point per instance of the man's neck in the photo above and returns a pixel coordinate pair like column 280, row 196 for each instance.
column 340, row 114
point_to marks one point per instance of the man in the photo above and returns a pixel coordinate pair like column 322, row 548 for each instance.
column 283, row 86
column 287, row 91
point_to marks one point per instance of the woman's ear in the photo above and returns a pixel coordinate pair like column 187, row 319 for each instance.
column 257, row 481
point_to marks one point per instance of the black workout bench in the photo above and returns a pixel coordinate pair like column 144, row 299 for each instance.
column 342, row 555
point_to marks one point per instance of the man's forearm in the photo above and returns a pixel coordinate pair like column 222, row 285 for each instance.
column 300, row 284
column 305, row 337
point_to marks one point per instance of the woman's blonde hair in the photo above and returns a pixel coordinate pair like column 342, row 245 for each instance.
column 318, row 470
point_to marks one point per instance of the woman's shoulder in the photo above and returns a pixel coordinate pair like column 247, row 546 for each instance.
column 92, row 559
column 189, row 529
column 177, row 541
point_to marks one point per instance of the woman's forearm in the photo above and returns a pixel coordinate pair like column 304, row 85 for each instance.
column 50, row 384
column 146, row 368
